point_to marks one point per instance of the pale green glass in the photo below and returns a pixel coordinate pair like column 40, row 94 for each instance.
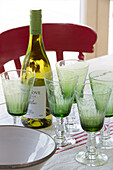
column 105, row 141
column 17, row 86
column 80, row 67
column 92, row 108
column 60, row 92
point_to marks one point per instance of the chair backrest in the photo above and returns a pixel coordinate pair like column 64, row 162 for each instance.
column 57, row 37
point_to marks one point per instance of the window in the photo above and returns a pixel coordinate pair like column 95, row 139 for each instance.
column 94, row 13
column 16, row 13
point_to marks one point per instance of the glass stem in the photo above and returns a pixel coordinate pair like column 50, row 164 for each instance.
column 59, row 128
column 16, row 120
column 91, row 152
column 105, row 131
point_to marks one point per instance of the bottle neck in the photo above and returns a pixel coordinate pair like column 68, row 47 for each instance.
column 35, row 29
column 35, row 40
column 35, row 22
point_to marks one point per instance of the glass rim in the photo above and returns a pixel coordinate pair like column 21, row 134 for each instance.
column 57, row 81
column 86, row 93
column 18, row 70
column 83, row 61
column 100, row 80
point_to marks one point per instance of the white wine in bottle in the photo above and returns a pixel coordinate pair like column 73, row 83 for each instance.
column 38, row 115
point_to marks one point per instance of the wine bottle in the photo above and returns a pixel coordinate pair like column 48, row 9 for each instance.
column 38, row 115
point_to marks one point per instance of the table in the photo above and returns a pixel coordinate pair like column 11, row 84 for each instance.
column 64, row 159
column 103, row 62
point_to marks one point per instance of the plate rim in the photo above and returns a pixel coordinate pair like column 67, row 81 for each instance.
column 24, row 165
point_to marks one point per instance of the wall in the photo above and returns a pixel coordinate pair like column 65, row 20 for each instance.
column 95, row 13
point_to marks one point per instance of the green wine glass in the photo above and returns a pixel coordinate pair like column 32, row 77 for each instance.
column 80, row 67
column 60, row 96
column 105, row 141
column 17, row 86
column 92, row 107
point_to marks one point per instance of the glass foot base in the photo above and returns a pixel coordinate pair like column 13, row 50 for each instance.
column 104, row 143
column 64, row 142
column 100, row 159
column 73, row 128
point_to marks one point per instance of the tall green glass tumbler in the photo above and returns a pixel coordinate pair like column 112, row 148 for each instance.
column 92, row 106
column 80, row 67
column 105, row 141
column 17, row 86
column 60, row 90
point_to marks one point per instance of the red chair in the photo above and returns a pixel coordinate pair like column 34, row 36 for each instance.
column 57, row 37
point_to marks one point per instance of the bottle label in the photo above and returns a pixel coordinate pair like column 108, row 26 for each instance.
column 37, row 103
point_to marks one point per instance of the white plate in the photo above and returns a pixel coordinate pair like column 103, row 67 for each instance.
column 22, row 147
